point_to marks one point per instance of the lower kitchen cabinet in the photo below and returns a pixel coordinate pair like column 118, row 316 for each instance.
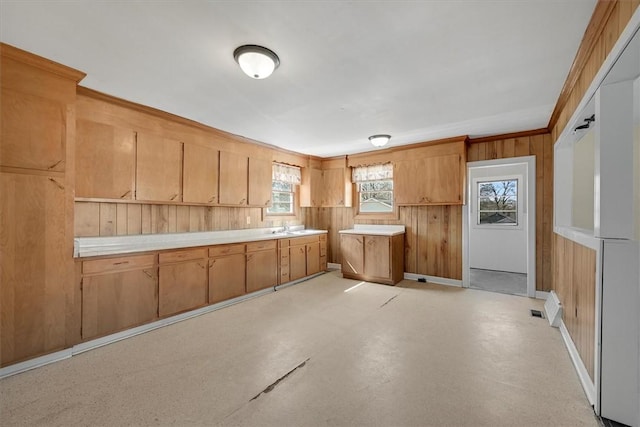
column 227, row 277
column 304, row 256
column 373, row 258
column 262, row 265
column 118, row 293
column 182, row 281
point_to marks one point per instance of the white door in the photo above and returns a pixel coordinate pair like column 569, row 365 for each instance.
column 499, row 232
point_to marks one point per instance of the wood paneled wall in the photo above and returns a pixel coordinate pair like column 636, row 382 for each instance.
column 115, row 219
column 607, row 23
column 433, row 243
column 574, row 272
column 433, row 240
column 540, row 146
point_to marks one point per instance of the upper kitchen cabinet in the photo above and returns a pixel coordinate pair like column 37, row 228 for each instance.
column 158, row 169
column 429, row 181
column 327, row 187
column 38, row 111
column 234, row 173
column 431, row 174
column 311, row 187
column 260, row 177
column 200, row 180
column 105, row 161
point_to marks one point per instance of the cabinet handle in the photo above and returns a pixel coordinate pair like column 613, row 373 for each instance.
column 55, row 164
column 148, row 274
column 213, row 261
column 60, row 186
column 212, row 199
column 125, row 194
column 121, row 263
column 201, row 266
column 267, row 202
column 173, row 197
column 242, row 201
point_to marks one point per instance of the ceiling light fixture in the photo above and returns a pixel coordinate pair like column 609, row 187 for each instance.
column 257, row 62
column 379, row 140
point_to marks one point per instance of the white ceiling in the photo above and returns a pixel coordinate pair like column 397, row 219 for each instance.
column 418, row 70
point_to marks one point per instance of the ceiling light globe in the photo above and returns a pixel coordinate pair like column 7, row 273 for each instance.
column 379, row 140
column 257, row 62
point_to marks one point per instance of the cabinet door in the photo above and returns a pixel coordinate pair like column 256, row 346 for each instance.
column 158, row 169
column 333, row 181
column 200, row 181
column 311, row 188
column 262, row 270
column 105, row 158
column 313, row 258
column 182, row 287
column 376, row 256
column 234, row 170
column 33, row 132
column 352, row 250
column 116, row 301
column 260, row 179
column 429, row 181
column 35, row 265
column 226, row 277
column 297, row 262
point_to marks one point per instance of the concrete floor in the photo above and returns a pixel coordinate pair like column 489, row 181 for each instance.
column 313, row 355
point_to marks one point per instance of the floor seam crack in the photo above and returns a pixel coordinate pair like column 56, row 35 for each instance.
column 273, row 385
column 389, row 300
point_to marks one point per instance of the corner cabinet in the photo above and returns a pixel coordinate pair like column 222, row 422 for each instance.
column 327, row 187
column 374, row 258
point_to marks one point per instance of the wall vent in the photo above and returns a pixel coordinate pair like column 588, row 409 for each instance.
column 553, row 309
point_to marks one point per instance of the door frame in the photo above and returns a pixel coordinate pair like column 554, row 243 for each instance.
column 530, row 209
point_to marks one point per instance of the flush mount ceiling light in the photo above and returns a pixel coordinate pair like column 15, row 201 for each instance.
column 379, row 140
column 257, row 62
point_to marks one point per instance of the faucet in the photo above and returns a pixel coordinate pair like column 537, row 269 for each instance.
column 286, row 226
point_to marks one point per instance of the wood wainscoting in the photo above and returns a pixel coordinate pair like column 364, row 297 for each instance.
column 574, row 272
column 433, row 239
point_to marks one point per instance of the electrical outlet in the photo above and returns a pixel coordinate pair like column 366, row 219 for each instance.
column 248, row 220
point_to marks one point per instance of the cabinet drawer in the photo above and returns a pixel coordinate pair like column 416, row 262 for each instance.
column 323, row 250
column 283, row 243
column 323, row 237
column 226, row 250
column 303, row 240
column 183, row 255
column 284, row 257
column 115, row 264
column 261, row 246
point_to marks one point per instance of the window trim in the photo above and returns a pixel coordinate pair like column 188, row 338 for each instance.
column 519, row 203
column 286, row 215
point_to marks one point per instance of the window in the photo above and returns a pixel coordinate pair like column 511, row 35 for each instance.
column 375, row 188
column 283, row 181
column 498, row 202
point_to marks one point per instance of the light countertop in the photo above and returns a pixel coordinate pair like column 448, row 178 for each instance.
column 114, row 245
column 375, row 230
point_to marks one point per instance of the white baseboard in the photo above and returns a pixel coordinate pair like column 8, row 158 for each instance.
column 585, row 379
column 434, row 279
column 543, row 295
column 334, row 266
column 35, row 363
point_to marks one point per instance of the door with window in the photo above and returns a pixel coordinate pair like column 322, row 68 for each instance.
column 498, row 228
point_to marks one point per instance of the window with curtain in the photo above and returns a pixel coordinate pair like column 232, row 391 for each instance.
column 284, row 178
column 375, row 188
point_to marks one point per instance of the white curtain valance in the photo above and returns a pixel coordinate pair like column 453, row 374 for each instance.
column 286, row 173
column 372, row 173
